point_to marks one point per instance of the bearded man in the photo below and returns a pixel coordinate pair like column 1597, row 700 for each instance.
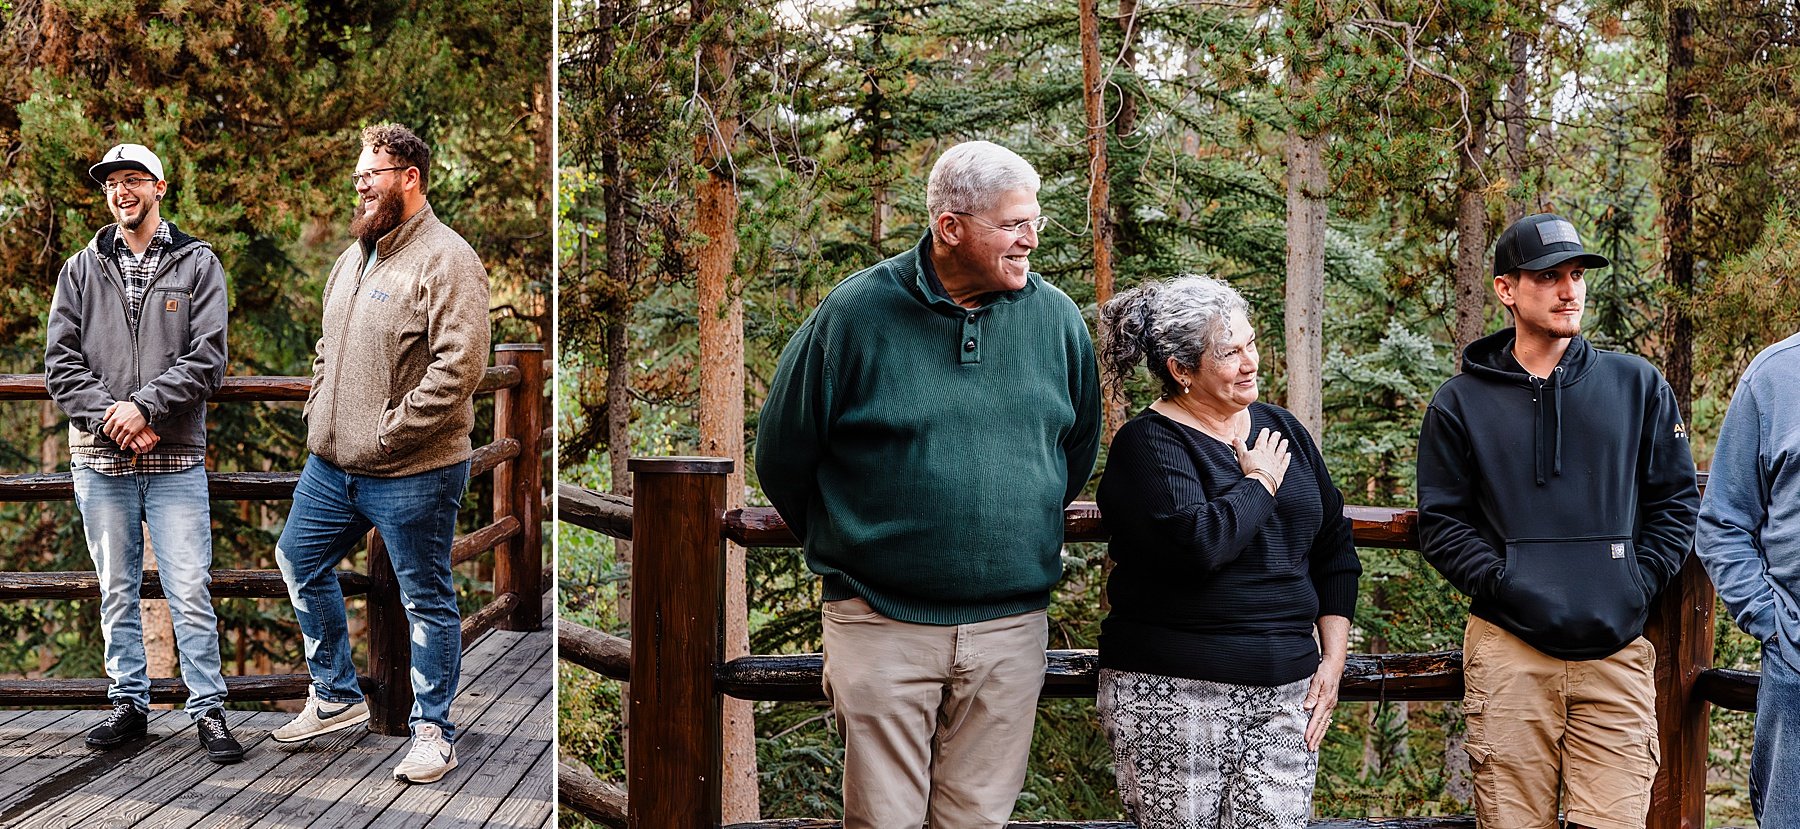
column 405, row 342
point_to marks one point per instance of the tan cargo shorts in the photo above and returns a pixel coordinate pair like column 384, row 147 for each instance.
column 1541, row 726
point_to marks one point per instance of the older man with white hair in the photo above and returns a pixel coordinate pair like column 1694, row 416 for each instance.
column 925, row 429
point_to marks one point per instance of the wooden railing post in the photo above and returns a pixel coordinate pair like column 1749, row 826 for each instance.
column 1681, row 628
column 519, row 485
column 675, row 761
column 390, row 650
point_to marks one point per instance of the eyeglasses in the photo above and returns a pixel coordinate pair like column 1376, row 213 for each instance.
column 359, row 179
column 1017, row 228
column 134, row 183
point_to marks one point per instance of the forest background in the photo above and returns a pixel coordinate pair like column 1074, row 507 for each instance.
column 255, row 109
column 1344, row 163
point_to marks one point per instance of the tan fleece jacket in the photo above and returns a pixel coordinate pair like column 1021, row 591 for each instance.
column 403, row 349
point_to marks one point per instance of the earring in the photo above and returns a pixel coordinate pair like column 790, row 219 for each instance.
column 1184, row 387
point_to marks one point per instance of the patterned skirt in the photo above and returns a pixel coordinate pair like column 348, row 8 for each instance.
column 1191, row 754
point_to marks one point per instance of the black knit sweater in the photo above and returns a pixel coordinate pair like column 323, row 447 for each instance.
column 1213, row 578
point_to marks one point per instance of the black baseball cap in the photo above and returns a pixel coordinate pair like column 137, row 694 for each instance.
column 1541, row 241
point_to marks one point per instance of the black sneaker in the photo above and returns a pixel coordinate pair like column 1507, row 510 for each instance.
column 127, row 723
column 220, row 746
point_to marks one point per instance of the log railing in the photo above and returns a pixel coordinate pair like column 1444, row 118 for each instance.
column 514, row 457
column 679, row 526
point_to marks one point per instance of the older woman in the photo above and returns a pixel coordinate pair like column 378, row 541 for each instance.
column 1230, row 548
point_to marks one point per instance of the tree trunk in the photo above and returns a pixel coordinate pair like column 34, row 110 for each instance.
column 1518, row 131
column 721, row 312
column 1304, row 316
column 1093, row 85
column 1474, row 279
column 1678, row 208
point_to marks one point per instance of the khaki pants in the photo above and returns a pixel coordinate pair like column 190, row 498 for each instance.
column 1538, row 724
column 936, row 719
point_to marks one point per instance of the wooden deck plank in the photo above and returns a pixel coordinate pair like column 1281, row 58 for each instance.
column 261, row 759
column 274, row 799
column 127, row 792
column 272, row 775
column 49, row 758
column 377, row 804
column 488, row 799
column 531, row 804
column 490, row 757
column 49, row 778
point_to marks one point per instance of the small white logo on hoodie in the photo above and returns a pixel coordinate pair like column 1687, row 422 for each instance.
column 1618, row 551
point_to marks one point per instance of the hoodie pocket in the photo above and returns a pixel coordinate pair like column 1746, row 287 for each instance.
column 1574, row 594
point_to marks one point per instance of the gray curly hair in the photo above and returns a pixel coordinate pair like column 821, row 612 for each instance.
column 1181, row 317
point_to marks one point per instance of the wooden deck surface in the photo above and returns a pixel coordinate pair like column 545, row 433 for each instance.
column 49, row 779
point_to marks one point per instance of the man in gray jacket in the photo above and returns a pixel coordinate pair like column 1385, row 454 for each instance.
column 387, row 424
column 136, row 346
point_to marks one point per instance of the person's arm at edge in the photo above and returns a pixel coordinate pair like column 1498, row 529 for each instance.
column 1668, row 494
column 1446, row 479
column 1732, row 514
column 1081, row 446
column 71, row 383
column 793, row 426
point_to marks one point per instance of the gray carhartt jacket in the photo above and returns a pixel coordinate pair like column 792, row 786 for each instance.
column 169, row 363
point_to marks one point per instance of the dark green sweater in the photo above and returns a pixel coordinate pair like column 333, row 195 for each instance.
column 923, row 452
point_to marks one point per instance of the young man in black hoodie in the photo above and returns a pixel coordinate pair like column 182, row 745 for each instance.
column 1556, row 490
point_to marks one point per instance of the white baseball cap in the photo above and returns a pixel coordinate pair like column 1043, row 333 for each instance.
column 127, row 157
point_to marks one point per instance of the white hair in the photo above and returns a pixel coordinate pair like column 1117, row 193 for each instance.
column 1182, row 317
column 971, row 176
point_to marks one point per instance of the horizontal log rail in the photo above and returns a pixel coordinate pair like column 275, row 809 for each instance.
column 227, row 486
column 602, row 653
column 474, row 544
column 601, row 512
column 484, row 620
column 65, row 693
column 1729, row 688
column 250, row 388
column 597, row 800
column 1386, row 527
column 85, row 584
column 1074, row 673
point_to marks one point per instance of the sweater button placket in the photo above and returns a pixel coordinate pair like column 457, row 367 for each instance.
column 971, row 340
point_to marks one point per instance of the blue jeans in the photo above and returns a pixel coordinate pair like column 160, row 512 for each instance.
column 416, row 516
column 1775, row 761
column 114, row 510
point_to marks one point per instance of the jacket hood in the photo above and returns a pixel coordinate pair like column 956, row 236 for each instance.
column 1491, row 358
column 108, row 237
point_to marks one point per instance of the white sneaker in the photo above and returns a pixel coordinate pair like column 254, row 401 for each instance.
column 321, row 717
column 430, row 757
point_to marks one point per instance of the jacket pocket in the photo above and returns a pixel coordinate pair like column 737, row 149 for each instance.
column 1574, row 595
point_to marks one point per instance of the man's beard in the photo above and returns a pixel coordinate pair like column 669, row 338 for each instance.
column 371, row 226
column 136, row 221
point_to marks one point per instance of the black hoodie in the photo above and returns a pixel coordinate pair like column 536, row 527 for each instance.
column 1561, row 505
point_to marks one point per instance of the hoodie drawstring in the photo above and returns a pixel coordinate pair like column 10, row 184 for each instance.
column 1537, row 428
column 1558, row 373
